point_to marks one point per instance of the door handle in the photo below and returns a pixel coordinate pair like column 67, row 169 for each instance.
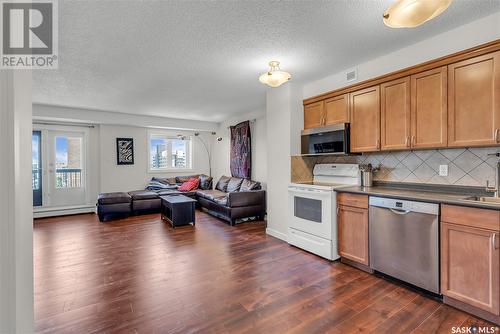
column 400, row 212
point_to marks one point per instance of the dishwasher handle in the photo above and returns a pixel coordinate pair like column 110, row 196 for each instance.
column 400, row 212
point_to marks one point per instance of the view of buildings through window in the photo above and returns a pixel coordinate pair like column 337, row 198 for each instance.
column 169, row 153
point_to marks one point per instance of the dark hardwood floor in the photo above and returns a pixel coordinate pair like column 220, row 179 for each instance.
column 138, row 275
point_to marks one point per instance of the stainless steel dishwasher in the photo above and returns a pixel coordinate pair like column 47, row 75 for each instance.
column 404, row 241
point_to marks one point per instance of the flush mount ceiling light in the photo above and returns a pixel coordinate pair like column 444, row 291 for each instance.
column 412, row 13
column 274, row 77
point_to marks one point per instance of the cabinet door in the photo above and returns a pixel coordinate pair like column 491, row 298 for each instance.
column 337, row 110
column 429, row 121
column 470, row 266
column 365, row 119
column 474, row 101
column 395, row 114
column 313, row 115
column 353, row 233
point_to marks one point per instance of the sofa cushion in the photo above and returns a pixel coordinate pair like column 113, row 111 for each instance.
column 221, row 200
column 168, row 192
column 248, row 185
column 182, row 179
column 222, row 183
column 143, row 194
column 189, row 185
column 165, row 180
column 205, row 182
column 210, row 194
column 158, row 184
column 114, row 198
column 234, row 184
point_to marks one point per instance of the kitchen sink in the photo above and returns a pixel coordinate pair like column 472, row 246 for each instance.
column 485, row 199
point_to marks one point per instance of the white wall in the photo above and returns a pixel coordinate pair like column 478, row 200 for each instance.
column 282, row 107
column 16, row 224
column 135, row 177
column 221, row 150
column 475, row 33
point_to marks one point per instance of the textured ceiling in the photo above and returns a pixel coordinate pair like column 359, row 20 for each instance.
column 201, row 59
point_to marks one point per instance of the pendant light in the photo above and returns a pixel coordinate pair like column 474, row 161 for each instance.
column 274, row 77
column 412, row 13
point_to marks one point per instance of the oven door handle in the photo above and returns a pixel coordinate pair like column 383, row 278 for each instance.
column 309, row 192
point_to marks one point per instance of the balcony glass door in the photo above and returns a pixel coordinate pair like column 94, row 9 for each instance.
column 66, row 179
column 36, row 175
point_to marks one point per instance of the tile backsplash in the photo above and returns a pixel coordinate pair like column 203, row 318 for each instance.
column 466, row 167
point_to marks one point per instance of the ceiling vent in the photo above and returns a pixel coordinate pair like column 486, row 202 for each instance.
column 351, row 75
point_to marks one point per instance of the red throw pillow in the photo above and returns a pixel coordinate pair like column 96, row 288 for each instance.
column 189, row 185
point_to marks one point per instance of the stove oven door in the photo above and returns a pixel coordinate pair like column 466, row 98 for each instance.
column 311, row 211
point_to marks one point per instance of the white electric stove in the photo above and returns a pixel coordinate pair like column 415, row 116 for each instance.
column 313, row 218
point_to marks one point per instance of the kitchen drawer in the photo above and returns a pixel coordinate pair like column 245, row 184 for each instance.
column 354, row 200
column 472, row 217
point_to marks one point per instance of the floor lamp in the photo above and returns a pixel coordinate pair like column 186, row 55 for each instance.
column 208, row 149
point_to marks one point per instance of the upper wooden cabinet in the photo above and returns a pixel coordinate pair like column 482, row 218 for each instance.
column 313, row 115
column 364, row 107
column 474, row 101
column 453, row 101
column 395, row 114
column 337, row 110
column 428, row 109
column 331, row 111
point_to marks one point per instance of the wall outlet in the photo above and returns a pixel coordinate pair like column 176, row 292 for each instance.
column 443, row 170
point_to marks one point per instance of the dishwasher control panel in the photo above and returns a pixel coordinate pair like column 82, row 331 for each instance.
column 404, row 205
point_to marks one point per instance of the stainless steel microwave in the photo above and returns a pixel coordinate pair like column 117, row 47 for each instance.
column 332, row 139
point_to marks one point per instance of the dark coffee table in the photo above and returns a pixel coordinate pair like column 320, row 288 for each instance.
column 178, row 210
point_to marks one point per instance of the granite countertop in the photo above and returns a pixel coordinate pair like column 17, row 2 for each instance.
column 441, row 195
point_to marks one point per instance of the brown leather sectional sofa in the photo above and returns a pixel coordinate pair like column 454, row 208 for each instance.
column 232, row 198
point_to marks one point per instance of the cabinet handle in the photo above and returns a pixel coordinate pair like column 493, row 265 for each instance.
column 338, row 210
column 407, row 141
column 496, row 135
column 378, row 144
column 412, row 140
column 494, row 241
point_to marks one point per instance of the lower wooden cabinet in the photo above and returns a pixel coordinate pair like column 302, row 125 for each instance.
column 470, row 264
column 353, row 231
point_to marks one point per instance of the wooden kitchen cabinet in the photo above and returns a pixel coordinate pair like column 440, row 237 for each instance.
column 474, row 101
column 429, row 120
column 395, row 114
column 313, row 115
column 470, row 262
column 353, row 227
column 337, row 110
column 364, row 108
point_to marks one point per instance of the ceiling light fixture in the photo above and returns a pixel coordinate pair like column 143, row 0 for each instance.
column 412, row 13
column 274, row 77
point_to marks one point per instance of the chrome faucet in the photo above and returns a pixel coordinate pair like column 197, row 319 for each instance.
column 495, row 189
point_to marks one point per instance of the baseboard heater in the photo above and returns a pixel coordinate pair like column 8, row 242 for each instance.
column 62, row 211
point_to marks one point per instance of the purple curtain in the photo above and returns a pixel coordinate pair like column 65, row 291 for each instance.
column 241, row 151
